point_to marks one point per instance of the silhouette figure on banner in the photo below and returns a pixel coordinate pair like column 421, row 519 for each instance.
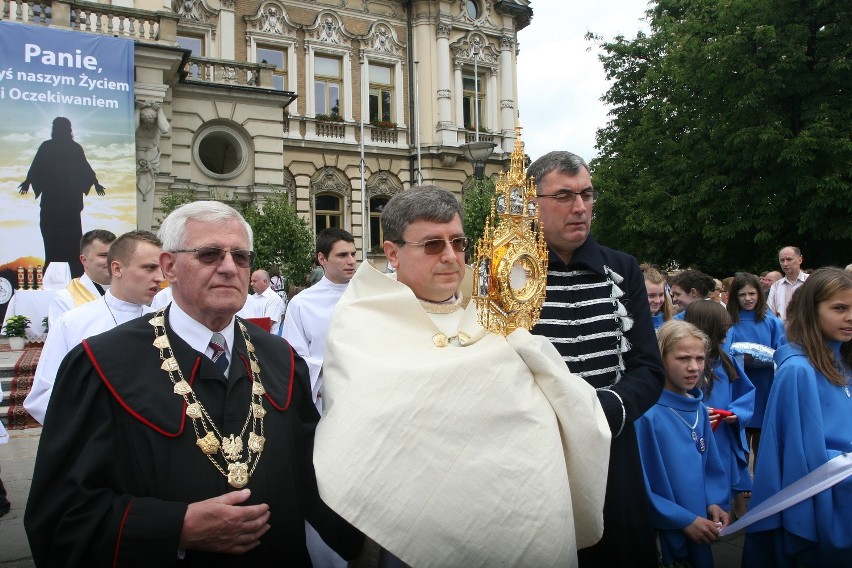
column 61, row 175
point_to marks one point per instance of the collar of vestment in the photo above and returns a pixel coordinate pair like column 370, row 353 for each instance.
column 134, row 377
column 123, row 311
column 681, row 402
column 588, row 255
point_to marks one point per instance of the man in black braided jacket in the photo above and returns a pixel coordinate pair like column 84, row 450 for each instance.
column 596, row 314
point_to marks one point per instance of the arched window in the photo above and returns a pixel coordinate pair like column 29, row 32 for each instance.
column 377, row 205
column 328, row 211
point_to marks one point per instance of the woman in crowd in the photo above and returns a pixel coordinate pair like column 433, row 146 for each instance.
column 658, row 299
column 808, row 422
column 754, row 326
column 729, row 397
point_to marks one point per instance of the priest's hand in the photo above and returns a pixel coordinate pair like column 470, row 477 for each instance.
column 221, row 524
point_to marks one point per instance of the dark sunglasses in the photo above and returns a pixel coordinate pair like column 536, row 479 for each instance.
column 436, row 246
column 215, row 255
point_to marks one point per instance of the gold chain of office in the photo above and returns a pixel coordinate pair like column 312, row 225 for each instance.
column 213, row 443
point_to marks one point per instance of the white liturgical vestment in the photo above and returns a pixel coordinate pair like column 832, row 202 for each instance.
column 72, row 328
column 62, row 301
column 306, row 327
column 484, row 452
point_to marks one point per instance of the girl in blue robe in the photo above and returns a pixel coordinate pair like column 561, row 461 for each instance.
column 753, row 322
column 727, row 388
column 808, row 422
column 658, row 297
column 684, row 476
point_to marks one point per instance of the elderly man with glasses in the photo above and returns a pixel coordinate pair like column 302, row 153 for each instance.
column 596, row 314
column 183, row 437
column 440, row 440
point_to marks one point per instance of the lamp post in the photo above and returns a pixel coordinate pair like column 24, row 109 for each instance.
column 477, row 152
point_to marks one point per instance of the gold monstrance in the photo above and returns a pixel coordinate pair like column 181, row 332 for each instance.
column 510, row 259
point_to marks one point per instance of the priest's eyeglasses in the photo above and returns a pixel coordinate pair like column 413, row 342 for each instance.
column 436, row 246
column 568, row 197
column 215, row 255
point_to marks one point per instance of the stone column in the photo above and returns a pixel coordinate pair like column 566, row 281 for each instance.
column 507, row 104
column 445, row 120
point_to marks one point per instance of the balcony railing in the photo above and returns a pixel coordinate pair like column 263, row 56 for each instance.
column 117, row 21
column 330, row 129
column 229, row 72
column 383, row 135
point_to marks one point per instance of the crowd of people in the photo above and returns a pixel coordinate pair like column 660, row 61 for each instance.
column 641, row 415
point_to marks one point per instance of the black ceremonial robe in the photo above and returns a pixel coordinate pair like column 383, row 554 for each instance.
column 117, row 463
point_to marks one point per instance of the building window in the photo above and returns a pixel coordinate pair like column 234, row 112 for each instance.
column 220, row 152
column 196, row 45
column 377, row 237
column 328, row 211
column 472, row 9
column 328, row 80
column 276, row 56
column 193, row 43
column 469, row 95
column 381, row 93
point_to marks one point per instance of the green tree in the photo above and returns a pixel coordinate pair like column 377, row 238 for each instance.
column 730, row 136
column 476, row 202
column 281, row 237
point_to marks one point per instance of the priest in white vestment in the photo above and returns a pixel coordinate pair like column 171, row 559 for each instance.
column 449, row 445
column 134, row 261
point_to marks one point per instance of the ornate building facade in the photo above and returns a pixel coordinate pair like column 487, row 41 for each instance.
column 338, row 103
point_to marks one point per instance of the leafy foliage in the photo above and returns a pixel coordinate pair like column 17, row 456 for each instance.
column 281, row 237
column 16, row 326
column 731, row 135
column 477, row 206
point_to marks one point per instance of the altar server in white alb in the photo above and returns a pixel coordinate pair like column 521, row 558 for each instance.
column 445, row 443
column 134, row 261
column 94, row 247
column 305, row 328
column 309, row 312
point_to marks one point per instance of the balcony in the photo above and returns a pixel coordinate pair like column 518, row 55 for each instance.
column 229, row 72
column 115, row 21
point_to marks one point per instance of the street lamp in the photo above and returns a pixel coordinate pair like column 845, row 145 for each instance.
column 477, row 152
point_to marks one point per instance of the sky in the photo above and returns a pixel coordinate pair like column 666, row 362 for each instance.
column 560, row 79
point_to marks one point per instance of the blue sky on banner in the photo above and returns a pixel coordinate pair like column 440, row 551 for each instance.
column 560, row 80
column 46, row 73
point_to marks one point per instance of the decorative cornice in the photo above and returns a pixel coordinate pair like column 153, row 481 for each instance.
column 271, row 18
column 382, row 38
column 383, row 183
column 331, row 180
column 328, row 28
column 197, row 10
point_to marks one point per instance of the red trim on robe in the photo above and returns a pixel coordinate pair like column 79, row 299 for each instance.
column 289, row 385
column 127, row 407
column 121, row 531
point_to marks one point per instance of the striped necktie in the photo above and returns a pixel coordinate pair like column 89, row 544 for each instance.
column 220, row 359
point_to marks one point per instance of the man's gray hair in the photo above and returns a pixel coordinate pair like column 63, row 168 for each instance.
column 423, row 203
column 565, row 162
column 173, row 230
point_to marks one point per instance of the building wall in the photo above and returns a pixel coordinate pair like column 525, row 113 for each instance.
column 224, row 93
